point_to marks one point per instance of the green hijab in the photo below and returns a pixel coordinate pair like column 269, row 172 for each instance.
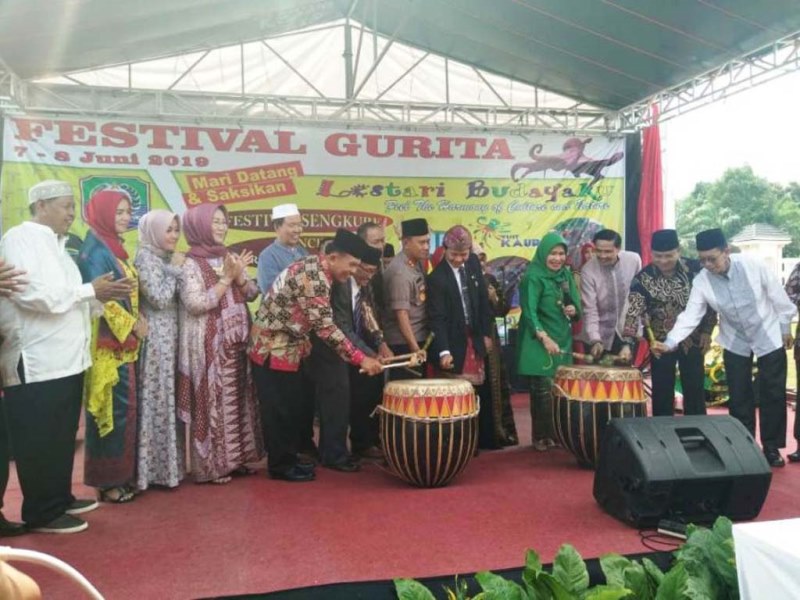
column 538, row 266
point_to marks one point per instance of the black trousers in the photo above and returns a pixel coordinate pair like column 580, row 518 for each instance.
column 279, row 394
column 692, row 369
column 5, row 455
column 306, row 409
column 400, row 373
column 42, row 420
column 332, row 389
column 771, row 395
column 365, row 394
column 797, row 405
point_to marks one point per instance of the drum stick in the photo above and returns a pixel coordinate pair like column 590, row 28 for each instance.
column 403, row 365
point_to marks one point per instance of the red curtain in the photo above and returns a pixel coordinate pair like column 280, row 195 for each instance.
column 650, row 212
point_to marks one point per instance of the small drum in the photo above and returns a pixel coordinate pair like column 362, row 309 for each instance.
column 429, row 429
column 586, row 397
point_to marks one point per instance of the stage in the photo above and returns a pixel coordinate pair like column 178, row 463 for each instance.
column 256, row 535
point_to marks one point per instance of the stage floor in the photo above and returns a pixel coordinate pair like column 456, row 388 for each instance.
column 257, row 535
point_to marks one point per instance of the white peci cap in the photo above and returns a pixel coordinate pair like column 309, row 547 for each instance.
column 49, row 189
column 285, row 210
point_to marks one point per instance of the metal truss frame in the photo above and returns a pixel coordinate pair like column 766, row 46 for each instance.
column 19, row 96
column 735, row 76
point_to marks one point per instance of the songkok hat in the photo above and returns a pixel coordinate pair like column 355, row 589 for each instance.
column 457, row 238
column 710, row 239
column 348, row 243
column 284, row 210
column 414, row 227
column 49, row 189
column 371, row 256
column 664, row 240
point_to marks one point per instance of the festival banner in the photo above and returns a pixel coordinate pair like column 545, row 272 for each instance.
column 509, row 190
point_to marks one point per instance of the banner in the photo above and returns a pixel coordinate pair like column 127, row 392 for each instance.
column 509, row 190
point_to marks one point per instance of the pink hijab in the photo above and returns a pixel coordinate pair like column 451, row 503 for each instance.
column 197, row 229
column 153, row 230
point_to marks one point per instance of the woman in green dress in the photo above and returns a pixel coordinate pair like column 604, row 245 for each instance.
column 550, row 302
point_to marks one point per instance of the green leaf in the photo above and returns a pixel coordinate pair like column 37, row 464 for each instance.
column 556, row 588
column 532, row 561
column 410, row 589
column 570, row 570
column 636, row 581
column 613, row 566
column 675, row 583
column 656, row 575
column 608, row 592
column 723, row 527
column 498, row 588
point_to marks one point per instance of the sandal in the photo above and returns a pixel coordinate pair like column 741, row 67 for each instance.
column 115, row 495
column 221, row 480
column 540, row 445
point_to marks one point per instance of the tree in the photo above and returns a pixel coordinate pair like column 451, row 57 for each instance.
column 737, row 199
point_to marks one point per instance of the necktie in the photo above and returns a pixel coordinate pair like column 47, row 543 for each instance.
column 358, row 315
column 462, row 275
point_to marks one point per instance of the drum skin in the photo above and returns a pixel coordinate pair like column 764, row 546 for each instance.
column 429, row 429
column 586, row 398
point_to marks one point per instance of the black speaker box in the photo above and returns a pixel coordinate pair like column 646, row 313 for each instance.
column 691, row 469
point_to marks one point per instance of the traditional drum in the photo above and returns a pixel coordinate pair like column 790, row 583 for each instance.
column 429, row 429
column 585, row 398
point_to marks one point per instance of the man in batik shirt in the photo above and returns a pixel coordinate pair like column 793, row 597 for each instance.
column 298, row 303
column 658, row 294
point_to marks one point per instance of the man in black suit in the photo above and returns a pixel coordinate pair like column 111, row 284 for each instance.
column 458, row 310
column 356, row 313
column 332, row 374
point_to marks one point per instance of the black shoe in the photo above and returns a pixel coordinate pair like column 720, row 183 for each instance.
column 79, row 507
column 774, row 458
column 347, row 466
column 794, row 457
column 9, row 528
column 63, row 524
column 306, row 467
column 293, row 474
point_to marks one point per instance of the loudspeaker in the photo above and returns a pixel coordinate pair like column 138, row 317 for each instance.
column 691, row 469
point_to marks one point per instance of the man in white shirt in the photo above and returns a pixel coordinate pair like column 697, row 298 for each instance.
column 755, row 317
column 46, row 332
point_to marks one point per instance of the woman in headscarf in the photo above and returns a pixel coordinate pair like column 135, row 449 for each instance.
column 550, row 302
column 216, row 395
column 160, row 459
column 110, row 385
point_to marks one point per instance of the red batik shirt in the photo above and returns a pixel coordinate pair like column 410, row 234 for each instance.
column 297, row 304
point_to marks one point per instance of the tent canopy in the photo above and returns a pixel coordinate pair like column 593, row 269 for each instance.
column 606, row 53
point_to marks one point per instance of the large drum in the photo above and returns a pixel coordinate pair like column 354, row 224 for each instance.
column 429, row 429
column 586, row 397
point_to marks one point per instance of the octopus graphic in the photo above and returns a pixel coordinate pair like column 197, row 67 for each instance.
column 572, row 159
column 489, row 229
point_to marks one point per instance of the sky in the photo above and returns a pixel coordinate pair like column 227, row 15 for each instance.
column 759, row 127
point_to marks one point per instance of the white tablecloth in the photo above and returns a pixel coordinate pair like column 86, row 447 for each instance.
column 768, row 559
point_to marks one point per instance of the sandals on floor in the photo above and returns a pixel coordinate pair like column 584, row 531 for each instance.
column 116, row 495
column 221, row 480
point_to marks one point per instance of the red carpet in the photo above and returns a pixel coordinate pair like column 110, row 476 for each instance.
column 257, row 535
